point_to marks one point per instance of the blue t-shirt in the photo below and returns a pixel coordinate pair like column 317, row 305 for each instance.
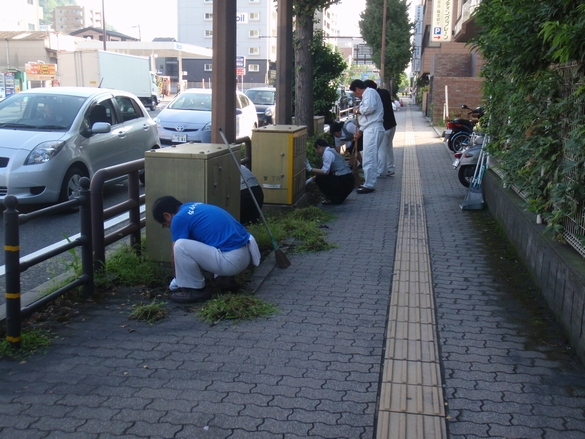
column 210, row 225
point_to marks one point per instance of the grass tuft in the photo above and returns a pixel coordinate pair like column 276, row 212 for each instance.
column 234, row 307
column 31, row 341
column 149, row 312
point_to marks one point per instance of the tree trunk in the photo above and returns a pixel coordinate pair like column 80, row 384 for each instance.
column 304, row 72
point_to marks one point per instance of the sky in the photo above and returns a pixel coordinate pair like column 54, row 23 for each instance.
column 158, row 18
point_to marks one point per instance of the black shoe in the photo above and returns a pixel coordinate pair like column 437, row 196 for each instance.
column 226, row 283
column 190, row 295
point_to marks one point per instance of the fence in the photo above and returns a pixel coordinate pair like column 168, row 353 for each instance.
column 12, row 220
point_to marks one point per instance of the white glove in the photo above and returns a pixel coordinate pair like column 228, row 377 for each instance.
column 173, row 285
column 308, row 165
column 309, row 180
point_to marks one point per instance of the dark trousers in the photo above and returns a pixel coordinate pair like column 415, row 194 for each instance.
column 248, row 211
column 336, row 189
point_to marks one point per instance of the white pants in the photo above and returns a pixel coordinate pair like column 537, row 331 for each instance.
column 193, row 256
column 373, row 136
column 386, row 153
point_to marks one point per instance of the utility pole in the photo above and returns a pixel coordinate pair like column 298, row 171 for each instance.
column 383, row 54
column 104, row 25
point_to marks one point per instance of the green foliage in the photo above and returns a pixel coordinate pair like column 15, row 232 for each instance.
column 534, row 106
column 125, row 267
column 31, row 341
column 305, row 225
column 234, row 307
column 328, row 67
column 398, row 46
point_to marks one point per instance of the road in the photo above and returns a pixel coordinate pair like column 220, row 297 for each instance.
column 44, row 232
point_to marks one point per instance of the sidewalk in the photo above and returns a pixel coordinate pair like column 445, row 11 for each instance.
column 419, row 324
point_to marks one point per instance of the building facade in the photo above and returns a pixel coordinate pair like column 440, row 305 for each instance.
column 256, row 39
column 21, row 15
column 67, row 19
column 451, row 69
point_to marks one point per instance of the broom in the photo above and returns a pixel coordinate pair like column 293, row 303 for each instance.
column 281, row 259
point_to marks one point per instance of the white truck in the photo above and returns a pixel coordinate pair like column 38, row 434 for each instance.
column 97, row 68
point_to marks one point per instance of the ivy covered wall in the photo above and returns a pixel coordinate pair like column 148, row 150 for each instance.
column 535, row 100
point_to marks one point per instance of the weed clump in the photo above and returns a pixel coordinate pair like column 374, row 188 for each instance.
column 234, row 307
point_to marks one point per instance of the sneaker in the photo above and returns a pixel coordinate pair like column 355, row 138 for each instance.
column 390, row 174
column 190, row 295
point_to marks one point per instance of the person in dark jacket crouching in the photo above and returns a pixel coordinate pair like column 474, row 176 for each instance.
column 334, row 178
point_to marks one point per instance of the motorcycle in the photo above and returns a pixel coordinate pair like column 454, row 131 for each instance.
column 460, row 125
column 466, row 161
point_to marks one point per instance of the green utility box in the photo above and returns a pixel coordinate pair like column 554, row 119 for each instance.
column 199, row 172
column 278, row 162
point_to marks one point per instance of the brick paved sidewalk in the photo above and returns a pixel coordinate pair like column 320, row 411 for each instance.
column 314, row 369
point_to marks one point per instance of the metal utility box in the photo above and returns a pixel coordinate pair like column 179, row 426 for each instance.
column 200, row 172
column 278, row 162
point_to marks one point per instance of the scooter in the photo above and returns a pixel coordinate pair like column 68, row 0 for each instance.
column 461, row 125
column 466, row 161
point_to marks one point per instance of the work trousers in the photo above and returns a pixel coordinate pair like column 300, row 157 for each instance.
column 191, row 257
column 386, row 153
column 373, row 136
column 335, row 188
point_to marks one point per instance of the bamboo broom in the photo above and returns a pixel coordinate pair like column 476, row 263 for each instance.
column 281, row 259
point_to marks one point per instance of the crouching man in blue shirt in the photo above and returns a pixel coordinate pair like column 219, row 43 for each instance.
column 205, row 237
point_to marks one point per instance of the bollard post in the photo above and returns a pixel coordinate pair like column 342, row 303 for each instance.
column 12, row 261
column 86, row 236
column 134, row 213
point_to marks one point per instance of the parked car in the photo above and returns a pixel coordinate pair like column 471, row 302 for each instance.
column 188, row 117
column 264, row 99
column 51, row 137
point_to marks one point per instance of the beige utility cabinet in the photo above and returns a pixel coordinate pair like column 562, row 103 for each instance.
column 199, row 172
column 278, row 162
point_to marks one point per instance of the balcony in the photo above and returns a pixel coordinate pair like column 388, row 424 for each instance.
column 465, row 28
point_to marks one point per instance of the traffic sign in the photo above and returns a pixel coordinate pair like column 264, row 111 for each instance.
column 240, row 61
column 240, row 71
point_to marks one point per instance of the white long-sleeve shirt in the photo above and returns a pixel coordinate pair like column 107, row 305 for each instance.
column 371, row 109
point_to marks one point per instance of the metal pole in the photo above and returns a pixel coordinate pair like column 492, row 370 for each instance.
column 383, row 54
column 12, row 260
column 134, row 213
column 104, row 24
column 86, row 236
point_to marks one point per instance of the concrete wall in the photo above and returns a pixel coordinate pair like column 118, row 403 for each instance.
column 557, row 269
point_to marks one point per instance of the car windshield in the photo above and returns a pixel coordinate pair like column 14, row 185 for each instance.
column 261, row 97
column 192, row 101
column 39, row 111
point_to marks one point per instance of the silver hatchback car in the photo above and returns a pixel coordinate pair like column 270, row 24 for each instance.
column 51, row 137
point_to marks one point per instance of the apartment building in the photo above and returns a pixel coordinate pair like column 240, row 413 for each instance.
column 21, row 15
column 451, row 69
column 256, row 38
column 67, row 19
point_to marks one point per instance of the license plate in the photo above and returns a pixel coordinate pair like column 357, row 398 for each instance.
column 179, row 138
column 456, row 163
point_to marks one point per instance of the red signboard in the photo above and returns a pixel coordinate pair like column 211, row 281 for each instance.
column 240, row 71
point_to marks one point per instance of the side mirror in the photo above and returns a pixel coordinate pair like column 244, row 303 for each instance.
column 465, row 107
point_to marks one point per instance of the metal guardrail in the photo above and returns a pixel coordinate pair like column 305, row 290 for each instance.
column 12, row 221
column 92, row 240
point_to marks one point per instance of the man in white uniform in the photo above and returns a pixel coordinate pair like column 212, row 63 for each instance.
column 371, row 124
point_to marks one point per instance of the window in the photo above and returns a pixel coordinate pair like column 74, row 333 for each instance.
column 253, row 67
column 254, row 33
column 254, row 1
column 253, row 51
column 208, row 1
column 30, row 2
column 207, row 67
column 208, row 16
column 31, row 26
column 208, row 33
column 254, row 16
column 128, row 108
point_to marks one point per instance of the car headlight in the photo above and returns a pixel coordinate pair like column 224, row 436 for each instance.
column 207, row 127
column 268, row 112
column 44, row 152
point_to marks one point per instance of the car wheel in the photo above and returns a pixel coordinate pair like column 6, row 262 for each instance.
column 70, row 187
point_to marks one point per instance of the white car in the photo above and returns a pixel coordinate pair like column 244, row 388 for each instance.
column 188, row 118
column 51, row 137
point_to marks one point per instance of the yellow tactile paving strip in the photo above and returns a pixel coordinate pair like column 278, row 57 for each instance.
column 411, row 394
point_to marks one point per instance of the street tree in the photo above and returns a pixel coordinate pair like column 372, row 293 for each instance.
column 398, row 47
column 304, row 12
